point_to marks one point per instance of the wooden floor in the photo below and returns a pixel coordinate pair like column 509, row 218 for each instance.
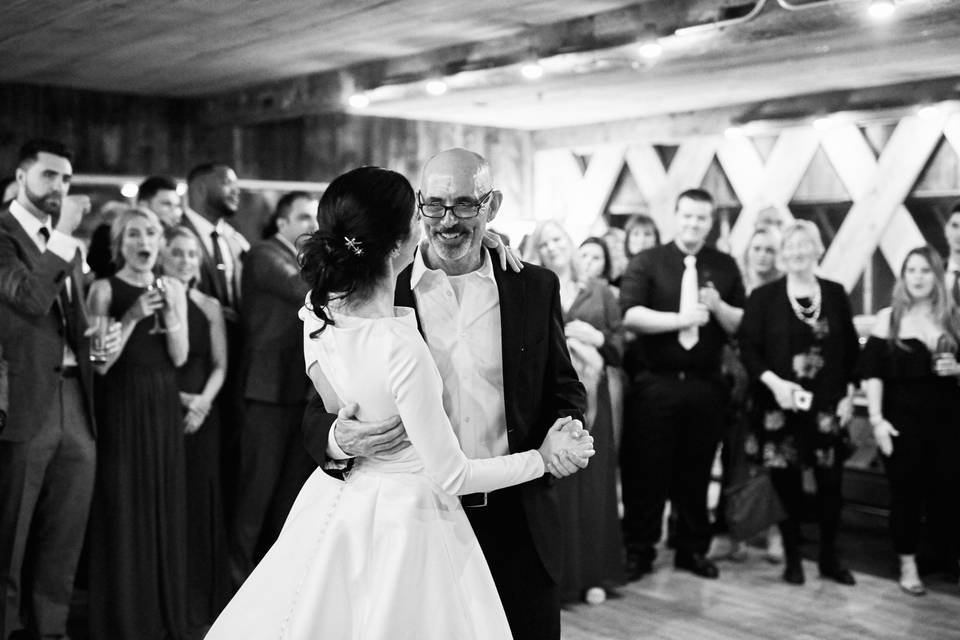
column 749, row 601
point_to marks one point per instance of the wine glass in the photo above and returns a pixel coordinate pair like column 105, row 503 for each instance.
column 159, row 324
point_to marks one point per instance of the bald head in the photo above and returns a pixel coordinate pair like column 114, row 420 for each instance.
column 456, row 171
column 457, row 177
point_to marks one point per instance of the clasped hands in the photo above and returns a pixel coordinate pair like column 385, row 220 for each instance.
column 566, row 449
column 709, row 302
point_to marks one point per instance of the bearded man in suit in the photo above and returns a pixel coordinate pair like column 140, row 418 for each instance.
column 47, row 450
column 498, row 340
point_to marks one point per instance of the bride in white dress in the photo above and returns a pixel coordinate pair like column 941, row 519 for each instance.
column 387, row 553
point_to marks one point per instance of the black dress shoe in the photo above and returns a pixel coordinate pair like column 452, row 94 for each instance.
column 637, row 567
column 697, row 564
column 838, row 573
column 793, row 573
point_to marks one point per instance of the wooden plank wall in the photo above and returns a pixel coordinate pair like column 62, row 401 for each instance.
column 110, row 133
column 320, row 147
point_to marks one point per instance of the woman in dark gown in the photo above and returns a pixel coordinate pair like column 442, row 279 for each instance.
column 200, row 380
column 799, row 345
column 910, row 367
column 138, row 520
column 592, row 539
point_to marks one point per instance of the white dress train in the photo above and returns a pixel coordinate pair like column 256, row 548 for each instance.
column 388, row 553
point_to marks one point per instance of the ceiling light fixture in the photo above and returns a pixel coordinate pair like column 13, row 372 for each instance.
column 129, row 190
column 649, row 44
column 532, row 70
column 881, row 9
column 436, row 87
column 359, row 100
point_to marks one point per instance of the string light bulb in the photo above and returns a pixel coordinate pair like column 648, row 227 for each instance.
column 881, row 9
column 436, row 87
column 359, row 101
column 532, row 70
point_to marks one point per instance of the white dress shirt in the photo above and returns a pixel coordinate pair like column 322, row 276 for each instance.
column 60, row 244
column 460, row 316
column 204, row 228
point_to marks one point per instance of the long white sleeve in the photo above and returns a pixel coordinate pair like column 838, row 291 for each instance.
column 418, row 391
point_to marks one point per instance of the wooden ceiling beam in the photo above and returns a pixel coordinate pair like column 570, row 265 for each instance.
column 325, row 91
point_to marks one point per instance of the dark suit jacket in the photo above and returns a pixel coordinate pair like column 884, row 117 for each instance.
column 31, row 333
column 540, row 385
column 273, row 293
column 209, row 282
column 4, row 397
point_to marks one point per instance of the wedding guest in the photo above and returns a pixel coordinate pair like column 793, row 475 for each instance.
column 799, row 345
column 593, row 543
column 593, row 258
column 138, row 531
column 47, row 448
column 683, row 299
column 213, row 199
column 910, row 367
column 200, row 379
column 156, row 193
column 642, row 233
column 273, row 461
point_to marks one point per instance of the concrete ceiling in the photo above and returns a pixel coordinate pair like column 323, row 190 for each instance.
column 214, row 47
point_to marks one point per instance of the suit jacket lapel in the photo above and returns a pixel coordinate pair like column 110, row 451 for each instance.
column 510, row 287
column 209, row 282
column 403, row 295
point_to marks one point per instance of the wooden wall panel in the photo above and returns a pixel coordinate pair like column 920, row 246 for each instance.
column 110, row 133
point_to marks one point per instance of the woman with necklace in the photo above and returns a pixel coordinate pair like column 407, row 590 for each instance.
column 800, row 347
column 137, row 533
column 910, row 367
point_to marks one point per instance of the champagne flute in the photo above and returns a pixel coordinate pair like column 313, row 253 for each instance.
column 101, row 325
column 159, row 324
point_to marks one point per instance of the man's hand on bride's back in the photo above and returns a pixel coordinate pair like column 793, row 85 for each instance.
column 364, row 439
column 567, row 448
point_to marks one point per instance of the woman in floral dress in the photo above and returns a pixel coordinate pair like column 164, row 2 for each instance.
column 799, row 345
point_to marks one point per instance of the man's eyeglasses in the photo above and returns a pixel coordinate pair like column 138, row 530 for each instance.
column 459, row 209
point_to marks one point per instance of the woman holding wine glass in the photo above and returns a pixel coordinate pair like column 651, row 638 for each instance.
column 137, row 534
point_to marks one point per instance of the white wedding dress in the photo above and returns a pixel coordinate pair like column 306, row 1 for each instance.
column 388, row 553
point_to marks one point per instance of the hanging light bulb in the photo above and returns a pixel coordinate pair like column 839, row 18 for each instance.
column 129, row 190
column 532, row 70
column 359, row 101
column 881, row 9
column 649, row 44
column 436, row 87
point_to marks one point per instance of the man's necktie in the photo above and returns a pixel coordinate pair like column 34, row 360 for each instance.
column 689, row 297
column 223, row 287
column 63, row 304
column 955, row 289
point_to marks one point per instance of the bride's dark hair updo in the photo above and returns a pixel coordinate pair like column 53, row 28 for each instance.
column 362, row 216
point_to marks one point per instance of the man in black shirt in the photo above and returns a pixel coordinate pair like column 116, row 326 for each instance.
column 683, row 299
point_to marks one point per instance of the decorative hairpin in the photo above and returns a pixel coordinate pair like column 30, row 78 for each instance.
column 354, row 245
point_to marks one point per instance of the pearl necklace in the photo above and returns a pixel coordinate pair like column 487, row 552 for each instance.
column 808, row 315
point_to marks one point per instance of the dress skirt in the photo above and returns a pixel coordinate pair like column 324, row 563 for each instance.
column 382, row 555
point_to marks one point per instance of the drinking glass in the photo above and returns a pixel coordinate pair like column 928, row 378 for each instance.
column 159, row 324
column 98, row 339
